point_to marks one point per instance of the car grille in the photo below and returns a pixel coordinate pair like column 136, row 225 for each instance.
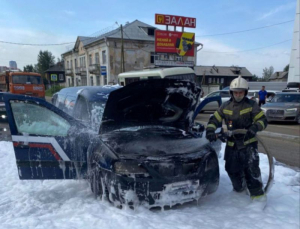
column 275, row 113
column 173, row 169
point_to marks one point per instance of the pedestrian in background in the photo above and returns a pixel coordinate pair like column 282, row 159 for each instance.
column 262, row 96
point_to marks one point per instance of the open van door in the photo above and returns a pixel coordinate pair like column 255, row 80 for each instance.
column 48, row 143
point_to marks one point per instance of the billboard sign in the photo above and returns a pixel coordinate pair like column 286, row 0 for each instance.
column 162, row 19
column 181, row 43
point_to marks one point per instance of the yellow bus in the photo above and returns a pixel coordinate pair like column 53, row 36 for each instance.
column 181, row 73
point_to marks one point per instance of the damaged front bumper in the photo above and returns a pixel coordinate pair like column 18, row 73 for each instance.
column 152, row 190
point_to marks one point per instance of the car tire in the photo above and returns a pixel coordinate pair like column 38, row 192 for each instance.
column 96, row 184
column 298, row 119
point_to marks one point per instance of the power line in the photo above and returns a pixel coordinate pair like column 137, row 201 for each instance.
column 247, row 50
column 242, row 31
column 64, row 43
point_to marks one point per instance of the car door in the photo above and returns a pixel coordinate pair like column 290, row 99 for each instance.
column 225, row 95
column 48, row 143
column 212, row 106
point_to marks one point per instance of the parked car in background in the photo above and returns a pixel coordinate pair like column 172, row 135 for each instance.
column 253, row 95
column 146, row 151
column 292, row 87
column 212, row 106
column 285, row 106
column 3, row 116
column 85, row 103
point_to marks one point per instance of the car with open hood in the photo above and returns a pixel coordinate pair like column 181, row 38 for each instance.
column 148, row 150
column 285, row 106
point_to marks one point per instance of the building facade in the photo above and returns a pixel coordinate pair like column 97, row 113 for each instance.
column 98, row 60
column 13, row 64
column 279, row 77
column 220, row 75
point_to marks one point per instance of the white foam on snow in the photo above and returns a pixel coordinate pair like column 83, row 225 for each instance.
column 69, row 204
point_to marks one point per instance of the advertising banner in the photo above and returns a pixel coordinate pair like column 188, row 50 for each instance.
column 162, row 19
column 181, row 43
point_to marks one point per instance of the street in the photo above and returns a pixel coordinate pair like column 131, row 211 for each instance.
column 282, row 140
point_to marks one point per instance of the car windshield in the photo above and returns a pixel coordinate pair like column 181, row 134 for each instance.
column 286, row 98
column 251, row 93
column 26, row 79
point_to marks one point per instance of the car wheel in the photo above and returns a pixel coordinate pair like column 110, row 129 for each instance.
column 95, row 181
column 298, row 119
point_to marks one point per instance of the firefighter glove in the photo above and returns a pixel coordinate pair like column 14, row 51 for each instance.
column 211, row 135
column 251, row 132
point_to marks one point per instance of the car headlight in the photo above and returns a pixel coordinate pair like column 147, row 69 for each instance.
column 128, row 167
column 3, row 116
column 264, row 110
column 291, row 110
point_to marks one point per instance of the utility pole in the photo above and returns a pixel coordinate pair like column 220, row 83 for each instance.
column 122, row 52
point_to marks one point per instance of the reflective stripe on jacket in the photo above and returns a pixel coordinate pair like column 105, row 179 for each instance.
column 238, row 116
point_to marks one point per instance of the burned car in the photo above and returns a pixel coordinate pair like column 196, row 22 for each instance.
column 147, row 151
column 285, row 106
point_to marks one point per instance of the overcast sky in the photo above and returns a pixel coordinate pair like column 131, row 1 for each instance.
column 57, row 21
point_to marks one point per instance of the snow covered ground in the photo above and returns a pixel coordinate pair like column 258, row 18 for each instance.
column 70, row 204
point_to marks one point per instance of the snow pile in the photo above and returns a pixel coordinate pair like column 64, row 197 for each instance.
column 70, row 204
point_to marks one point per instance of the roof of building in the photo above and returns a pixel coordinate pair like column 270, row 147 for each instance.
column 56, row 68
column 222, row 71
column 279, row 75
column 133, row 31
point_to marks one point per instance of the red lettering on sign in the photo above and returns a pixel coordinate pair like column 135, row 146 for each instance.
column 175, row 20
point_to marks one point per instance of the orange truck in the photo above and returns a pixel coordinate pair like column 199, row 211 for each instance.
column 22, row 83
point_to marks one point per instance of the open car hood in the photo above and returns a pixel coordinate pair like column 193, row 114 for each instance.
column 166, row 102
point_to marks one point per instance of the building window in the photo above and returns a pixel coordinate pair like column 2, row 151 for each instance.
column 178, row 58
column 105, row 80
column 90, row 59
column 82, row 61
column 151, row 31
column 209, row 80
column 71, row 63
column 67, row 65
column 75, row 63
column 103, row 57
column 61, row 77
column 152, row 57
column 92, row 81
column 218, row 80
column 97, row 58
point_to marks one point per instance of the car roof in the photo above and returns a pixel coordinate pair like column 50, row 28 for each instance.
column 95, row 93
column 288, row 93
column 87, row 91
column 266, row 91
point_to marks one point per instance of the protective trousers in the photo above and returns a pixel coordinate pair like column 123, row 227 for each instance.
column 242, row 166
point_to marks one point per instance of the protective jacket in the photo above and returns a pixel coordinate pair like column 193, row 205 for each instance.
column 241, row 156
column 239, row 116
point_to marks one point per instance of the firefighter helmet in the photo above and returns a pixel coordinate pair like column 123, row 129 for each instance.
column 239, row 84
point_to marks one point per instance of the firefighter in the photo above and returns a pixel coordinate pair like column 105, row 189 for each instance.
column 241, row 155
